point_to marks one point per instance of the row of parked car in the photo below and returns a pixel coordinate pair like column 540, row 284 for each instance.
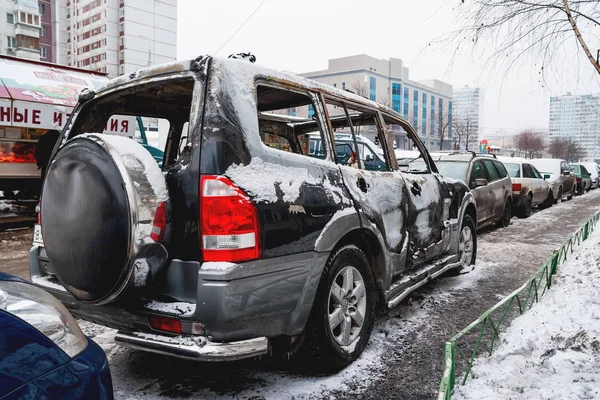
column 272, row 225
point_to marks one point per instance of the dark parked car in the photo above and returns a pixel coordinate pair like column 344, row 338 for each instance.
column 43, row 353
column 583, row 178
column 488, row 179
column 242, row 241
column 559, row 176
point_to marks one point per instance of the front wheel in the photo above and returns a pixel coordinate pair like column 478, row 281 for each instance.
column 343, row 314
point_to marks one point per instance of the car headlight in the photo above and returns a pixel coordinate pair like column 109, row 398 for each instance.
column 45, row 313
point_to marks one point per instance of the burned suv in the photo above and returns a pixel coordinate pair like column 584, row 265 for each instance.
column 241, row 241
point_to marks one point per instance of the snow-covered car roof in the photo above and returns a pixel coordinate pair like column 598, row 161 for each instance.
column 515, row 160
column 242, row 70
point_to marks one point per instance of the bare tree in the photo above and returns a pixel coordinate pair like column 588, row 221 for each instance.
column 529, row 142
column 464, row 132
column 443, row 126
column 567, row 149
column 529, row 29
column 360, row 88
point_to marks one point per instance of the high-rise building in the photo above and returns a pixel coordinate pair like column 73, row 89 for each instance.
column 577, row 117
column 468, row 117
column 20, row 26
column 427, row 105
column 119, row 36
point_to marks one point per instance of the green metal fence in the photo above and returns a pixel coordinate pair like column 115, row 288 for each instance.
column 462, row 349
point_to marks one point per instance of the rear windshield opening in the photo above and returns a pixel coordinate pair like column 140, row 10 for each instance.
column 156, row 115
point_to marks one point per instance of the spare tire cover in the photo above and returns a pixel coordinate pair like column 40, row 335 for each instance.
column 98, row 204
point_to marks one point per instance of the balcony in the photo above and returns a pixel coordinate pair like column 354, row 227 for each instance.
column 29, row 54
column 27, row 30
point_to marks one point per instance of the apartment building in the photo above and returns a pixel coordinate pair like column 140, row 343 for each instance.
column 427, row 105
column 577, row 117
column 119, row 36
column 468, row 115
column 20, row 28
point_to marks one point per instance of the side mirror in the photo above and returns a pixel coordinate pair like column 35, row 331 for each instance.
column 546, row 176
column 566, row 172
column 480, row 182
column 369, row 157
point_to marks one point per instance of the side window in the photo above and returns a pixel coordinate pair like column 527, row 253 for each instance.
column 536, row 173
column 284, row 121
column 478, row 172
column 410, row 157
column 564, row 167
column 356, row 128
column 491, row 169
column 500, row 168
column 528, row 171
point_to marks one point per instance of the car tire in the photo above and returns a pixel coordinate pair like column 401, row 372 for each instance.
column 335, row 348
column 548, row 202
column 467, row 242
column 506, row 215
column 525, row 211
column 559, row 195
column 573, row 191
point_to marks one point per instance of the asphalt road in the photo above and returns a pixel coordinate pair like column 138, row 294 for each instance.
column 405, row 356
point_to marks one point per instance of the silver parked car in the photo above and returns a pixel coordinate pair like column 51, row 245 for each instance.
column 487, row 178
column 529, row 188
column 594, row 170
column 559, row 175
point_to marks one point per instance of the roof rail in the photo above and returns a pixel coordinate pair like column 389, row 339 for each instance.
column 473, row 154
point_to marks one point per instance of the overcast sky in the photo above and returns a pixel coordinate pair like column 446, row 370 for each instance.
column 300, row 36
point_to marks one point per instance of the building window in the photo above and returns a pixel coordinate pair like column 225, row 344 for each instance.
column 42, row 9
column 449, row 119
column 396, row 96
column 10, row 18
column 335, row 85
column 440, row 113
column 372, row 88
column 344, row 85
column 122, row 13
column 415, row 120
column 432, row 132
column 424, row 119
column 43, row 31
column 12, row 42
column 42, row 52
column 406, row 102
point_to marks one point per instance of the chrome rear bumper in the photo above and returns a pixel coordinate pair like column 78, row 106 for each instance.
column 196, row 348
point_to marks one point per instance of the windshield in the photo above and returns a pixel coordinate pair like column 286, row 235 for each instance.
column 514, row 170
column 453, row 169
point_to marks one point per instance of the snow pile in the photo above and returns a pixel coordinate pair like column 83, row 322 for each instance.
column 179, row 308
column 5, row 207
column 553, row 351
column 264, row 180
column 45, row 282
column 181, row 340
column 131, row 151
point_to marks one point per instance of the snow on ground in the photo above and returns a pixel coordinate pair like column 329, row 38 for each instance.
column 553, row 351
column 5, row 207
column 280, row 382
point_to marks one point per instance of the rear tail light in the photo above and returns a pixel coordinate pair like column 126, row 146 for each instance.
column 229, row 224
column 38, row 211
column 159, row 224
column 165, row 324
column 578, row 180
column 516, row 187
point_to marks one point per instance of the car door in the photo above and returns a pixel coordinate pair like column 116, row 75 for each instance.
column 380, row 196
column 568, row 180
column 530, row 181
column 541, row 184
column 497, row 188
column 484, row 195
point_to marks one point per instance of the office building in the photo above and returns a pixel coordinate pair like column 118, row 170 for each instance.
column 468, row 117
column 427, row 105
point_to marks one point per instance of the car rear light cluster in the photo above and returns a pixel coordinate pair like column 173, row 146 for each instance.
column 164, row 324
column 229, row 223
column 159, row 224
column 579, row 180
column 38, row 211
column 516, row 187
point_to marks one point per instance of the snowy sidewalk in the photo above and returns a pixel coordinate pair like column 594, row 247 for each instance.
column 553, row 350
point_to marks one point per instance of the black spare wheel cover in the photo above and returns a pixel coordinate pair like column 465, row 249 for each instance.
column 86, row 220
column 99, row 202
